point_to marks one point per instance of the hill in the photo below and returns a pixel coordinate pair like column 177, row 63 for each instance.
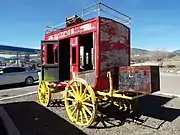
column 177, row 52
column 137, row 51
column 134, row 52
column 2, row 58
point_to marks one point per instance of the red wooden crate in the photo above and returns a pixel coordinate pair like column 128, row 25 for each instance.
column 142, row 79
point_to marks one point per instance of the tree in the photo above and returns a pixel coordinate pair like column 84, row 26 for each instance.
column 159, row 54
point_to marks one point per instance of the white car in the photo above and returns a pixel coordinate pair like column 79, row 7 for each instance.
column 12, row 75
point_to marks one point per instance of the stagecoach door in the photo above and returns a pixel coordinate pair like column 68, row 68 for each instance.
column 56, row 60
column 64, row 59
column 49, row 60
column 75, row 56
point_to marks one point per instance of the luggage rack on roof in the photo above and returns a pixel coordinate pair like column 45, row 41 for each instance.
column 98, row 9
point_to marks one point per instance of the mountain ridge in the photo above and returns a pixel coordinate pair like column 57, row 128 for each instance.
column 139, row 51
column 134, row 51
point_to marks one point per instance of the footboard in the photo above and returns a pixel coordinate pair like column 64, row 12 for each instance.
column 141, row 79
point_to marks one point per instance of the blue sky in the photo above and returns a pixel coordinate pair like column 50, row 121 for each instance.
column 155, row 23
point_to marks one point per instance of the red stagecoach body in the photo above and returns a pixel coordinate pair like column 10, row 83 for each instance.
column 89, row 49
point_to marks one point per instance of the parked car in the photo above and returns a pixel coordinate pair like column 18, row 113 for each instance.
column 12, row 75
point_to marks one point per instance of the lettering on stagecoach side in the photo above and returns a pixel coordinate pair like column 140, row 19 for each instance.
column 75, row 30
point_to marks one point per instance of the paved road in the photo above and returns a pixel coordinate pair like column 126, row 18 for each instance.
column 170, row 83
column 15, row 90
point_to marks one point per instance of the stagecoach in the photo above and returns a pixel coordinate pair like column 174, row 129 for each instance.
column 87, row 60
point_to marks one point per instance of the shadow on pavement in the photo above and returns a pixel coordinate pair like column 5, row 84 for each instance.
column 34, row 119
column 148, row 107
column 12, row 86
column 3, row 130
column 152, row 106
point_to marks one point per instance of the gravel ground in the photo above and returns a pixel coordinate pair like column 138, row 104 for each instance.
column 156, row 115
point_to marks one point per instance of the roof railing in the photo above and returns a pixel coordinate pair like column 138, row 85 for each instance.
column 97, row 9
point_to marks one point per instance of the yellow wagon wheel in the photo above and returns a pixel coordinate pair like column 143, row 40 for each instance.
column 44, row 93
column 80, row 102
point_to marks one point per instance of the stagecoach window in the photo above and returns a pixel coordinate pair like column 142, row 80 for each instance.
column 92, row 57
column 81, row 56
column 74, row 55
column 86, row 52
column 87, row 58
column 50, row 54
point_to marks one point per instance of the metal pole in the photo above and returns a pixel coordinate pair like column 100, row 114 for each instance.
column 17, row 59
column 99, row 7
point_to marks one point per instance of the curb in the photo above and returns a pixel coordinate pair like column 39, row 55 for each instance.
column 29, row 93
column 168, row 94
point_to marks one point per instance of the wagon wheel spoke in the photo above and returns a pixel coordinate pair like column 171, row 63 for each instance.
column 84, row 93
column 88, row 104
column 40, row 89
column 74, row 110
column 42, row 85
column 87, row 109
column 77, row 89
column 85, row 114
column 71, row 106
column 81, row 115
column 80, row 89
column 77, row 115
column 70, row 99
column 71, row 93
column 89, row 96
column 74, row 91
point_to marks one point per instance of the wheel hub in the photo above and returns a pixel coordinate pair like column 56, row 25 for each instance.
column 79, row 104
column 43, row 91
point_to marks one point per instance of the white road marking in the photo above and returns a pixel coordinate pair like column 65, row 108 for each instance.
column 8, row 123
column 14, row 89
column 21, row 95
